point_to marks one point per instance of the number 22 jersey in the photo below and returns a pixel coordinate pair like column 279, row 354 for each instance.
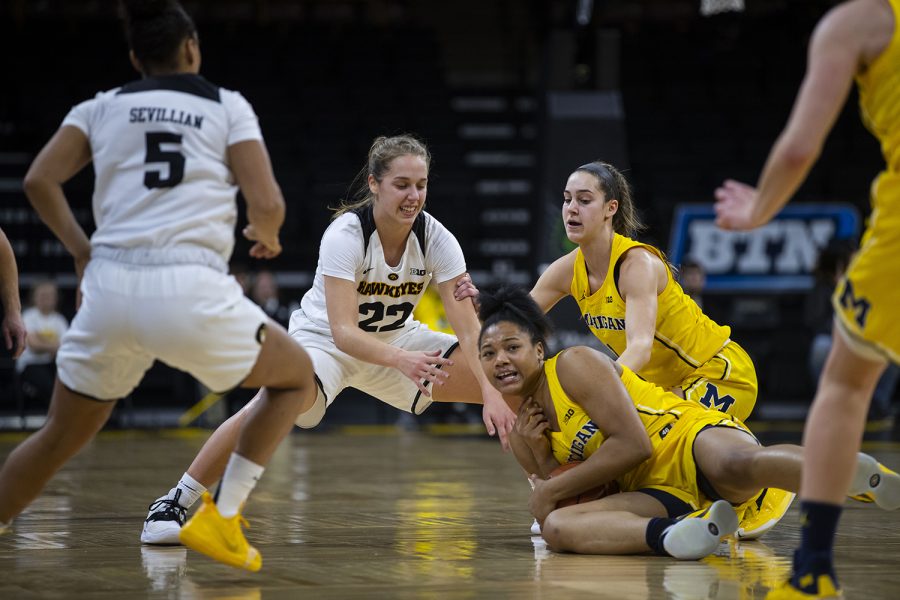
column 351, row 249
column 164, row 192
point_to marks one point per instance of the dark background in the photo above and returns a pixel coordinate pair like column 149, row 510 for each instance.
column 510, row 96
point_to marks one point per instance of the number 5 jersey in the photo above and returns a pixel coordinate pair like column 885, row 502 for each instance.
column 164, row 192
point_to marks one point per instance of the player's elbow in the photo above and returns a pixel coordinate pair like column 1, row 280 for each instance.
column 34, row 182
column 798, row 153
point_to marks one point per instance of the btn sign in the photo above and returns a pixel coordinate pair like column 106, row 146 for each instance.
column 779, row 256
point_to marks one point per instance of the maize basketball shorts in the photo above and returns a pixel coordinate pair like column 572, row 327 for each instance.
column 672, row 468
column 336, row 370
column 190, row 317
column 726, row 382
column 867, row 297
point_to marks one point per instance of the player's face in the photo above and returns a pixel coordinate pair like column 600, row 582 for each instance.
column 511, row 361
column 585, row 210
column 400, row 195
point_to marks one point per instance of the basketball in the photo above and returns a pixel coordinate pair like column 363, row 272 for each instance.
column 601, row 491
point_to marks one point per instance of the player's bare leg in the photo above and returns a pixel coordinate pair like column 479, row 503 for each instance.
column 72, row 421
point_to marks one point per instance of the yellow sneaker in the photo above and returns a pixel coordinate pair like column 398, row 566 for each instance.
column 786, row 591
column 757, row 521
column 219, row 538
column 874, row 482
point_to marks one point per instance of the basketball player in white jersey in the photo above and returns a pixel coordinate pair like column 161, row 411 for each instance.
column 375, row 261
column 168, row 151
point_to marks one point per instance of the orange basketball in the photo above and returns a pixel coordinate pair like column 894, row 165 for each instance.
column 596, row 493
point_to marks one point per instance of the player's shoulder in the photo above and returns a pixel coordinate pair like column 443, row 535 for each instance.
column 344, row 227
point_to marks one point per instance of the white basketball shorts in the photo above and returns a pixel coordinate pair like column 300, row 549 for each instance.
column 336, row 370
column 190, row 317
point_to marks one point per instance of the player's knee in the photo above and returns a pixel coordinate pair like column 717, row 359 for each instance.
column 553, row 532
column 733, row 474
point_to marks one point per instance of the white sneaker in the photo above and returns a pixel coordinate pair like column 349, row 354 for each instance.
column 873, row 482
column 698, row 534
column 535, row 528
column 164, row 521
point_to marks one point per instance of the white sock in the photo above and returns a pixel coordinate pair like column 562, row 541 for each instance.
column 240, row 478
column 191, row 490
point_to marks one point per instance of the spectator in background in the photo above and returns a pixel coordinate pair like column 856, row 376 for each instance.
column 242, row 275
column 264, row 291
column 693, row 280
column 819, row 314
column 13, row 327
column 37, row 365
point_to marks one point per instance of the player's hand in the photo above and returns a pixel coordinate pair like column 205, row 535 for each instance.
column 424, row 367
column 735, row 202
column 532, row 425
column 265, row 247
column 14, row 333
column 498, row 419
column 542, row 502
column 465, row 289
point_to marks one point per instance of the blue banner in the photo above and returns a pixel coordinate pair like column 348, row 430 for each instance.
column 780, row 256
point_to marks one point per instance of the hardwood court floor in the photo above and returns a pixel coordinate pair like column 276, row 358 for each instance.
column 406, row 515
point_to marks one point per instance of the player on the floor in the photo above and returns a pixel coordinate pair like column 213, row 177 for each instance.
column 630, row 300
column 857, row 40
column 679, row 466
column 375, row 260
column 169, row 152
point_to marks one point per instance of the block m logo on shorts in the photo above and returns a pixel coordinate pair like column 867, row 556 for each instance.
column 859, row 306
column 712, row 400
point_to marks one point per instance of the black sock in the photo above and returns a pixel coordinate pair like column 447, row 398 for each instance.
column 814, row 557
column 655, row 534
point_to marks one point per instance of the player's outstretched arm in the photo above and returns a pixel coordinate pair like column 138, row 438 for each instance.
column 497, row 416
column 343, row 316
column 265, row 205
column 835, row 53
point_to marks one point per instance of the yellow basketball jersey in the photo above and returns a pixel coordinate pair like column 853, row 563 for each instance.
column 879, row 100
column 684, row 339
column 672, row 424
column 579, row 437
column 865, row 300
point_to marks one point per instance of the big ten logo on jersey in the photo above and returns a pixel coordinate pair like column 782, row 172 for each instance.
column 712, row 399
column 416, row 272
column 568, row 415
column 778, row 256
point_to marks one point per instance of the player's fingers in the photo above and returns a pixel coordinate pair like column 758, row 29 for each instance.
column 8, row 338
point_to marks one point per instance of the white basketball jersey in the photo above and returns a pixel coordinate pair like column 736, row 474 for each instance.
column 164, row 191
column 351, row 249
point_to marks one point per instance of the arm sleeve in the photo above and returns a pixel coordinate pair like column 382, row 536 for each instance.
column 445, row 256
column 341, row 253
column 243, row 125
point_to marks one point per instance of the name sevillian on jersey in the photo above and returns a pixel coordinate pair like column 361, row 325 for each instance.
column 157, row 114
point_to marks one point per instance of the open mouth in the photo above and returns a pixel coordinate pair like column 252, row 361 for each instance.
column 573, row 224
column 409, row 211
column 507, row 377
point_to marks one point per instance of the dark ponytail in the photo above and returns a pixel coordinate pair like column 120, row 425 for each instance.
column 513, row 304
column 155, row 29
